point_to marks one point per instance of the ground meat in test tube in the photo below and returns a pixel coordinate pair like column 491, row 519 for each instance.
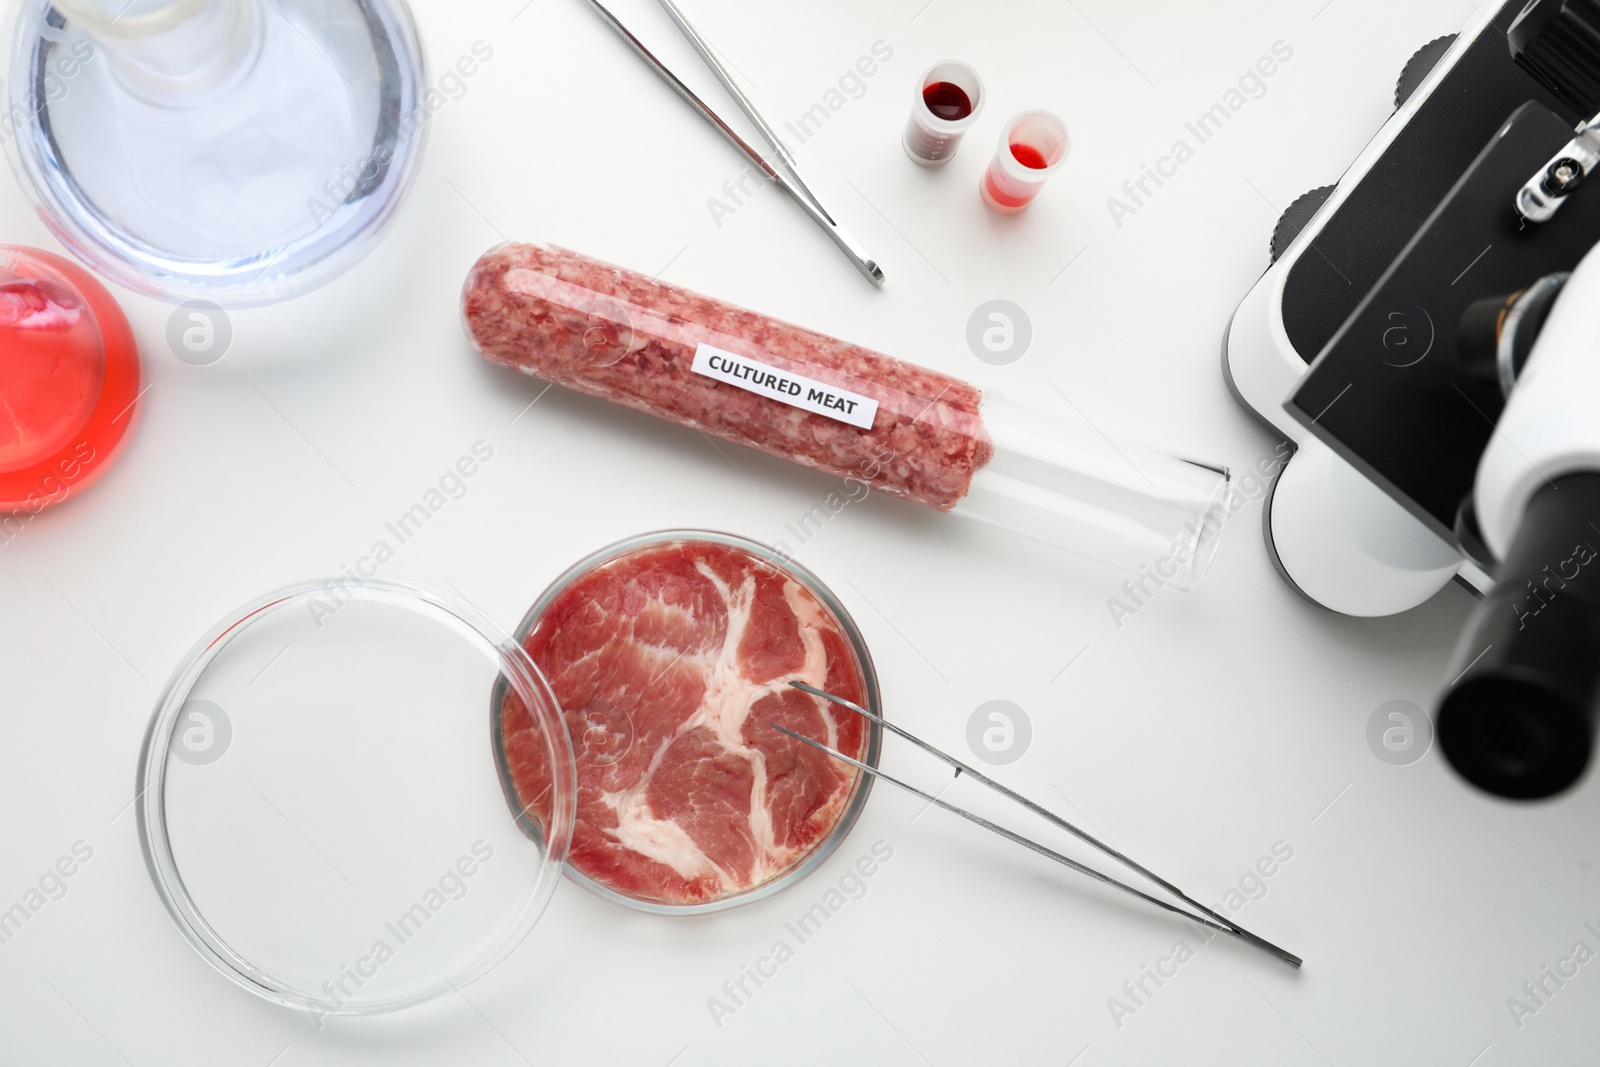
column 623, row 337
column 671, row 662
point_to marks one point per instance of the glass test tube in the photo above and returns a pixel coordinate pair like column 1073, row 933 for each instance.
column 837, row 407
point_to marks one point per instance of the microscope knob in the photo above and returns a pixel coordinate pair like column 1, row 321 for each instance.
column 1295, row 217
column 1419, row 66
column 1558, row 42
column 1297, row 214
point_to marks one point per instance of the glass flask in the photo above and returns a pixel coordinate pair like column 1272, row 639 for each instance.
column 241, row 151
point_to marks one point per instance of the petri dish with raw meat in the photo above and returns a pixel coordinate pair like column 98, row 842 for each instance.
column 671, row 656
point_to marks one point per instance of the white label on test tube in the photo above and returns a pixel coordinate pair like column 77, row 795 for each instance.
column 796, row 390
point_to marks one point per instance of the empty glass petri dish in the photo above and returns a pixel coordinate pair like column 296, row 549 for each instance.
column 671, row 653
column 320, row 808
column 242, row 151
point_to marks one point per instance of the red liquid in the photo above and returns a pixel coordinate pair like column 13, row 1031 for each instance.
column 947, row 100
column 69, row 375
column 1029, row 156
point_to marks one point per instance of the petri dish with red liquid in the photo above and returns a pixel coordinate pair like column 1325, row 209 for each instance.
column 1033, row 145
column 948, row 99
column 671, row 656
column 69, row 381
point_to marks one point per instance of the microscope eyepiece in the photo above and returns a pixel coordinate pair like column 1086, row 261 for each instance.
column 1521, row 716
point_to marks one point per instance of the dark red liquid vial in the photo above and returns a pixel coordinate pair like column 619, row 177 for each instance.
column 947, row 101
column 1029, row 156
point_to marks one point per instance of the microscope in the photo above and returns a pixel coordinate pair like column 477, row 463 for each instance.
column 1428, row 336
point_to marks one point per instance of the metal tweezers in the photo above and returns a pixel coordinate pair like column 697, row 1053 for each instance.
column 791, row 183
column 1207, row 917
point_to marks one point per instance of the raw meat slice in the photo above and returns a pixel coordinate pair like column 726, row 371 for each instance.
column 671, row 662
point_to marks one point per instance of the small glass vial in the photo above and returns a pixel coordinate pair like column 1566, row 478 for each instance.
column 241, row 151
column 1033, row 146
column 948, row 98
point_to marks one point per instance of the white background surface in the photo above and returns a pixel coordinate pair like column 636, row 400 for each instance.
column 1210, row 726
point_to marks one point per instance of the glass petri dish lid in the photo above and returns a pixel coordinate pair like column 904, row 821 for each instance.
column 320, row 808
column 623, row 635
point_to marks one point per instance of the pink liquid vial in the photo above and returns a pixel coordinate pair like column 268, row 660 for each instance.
column 69, row 378
column 1032, row 147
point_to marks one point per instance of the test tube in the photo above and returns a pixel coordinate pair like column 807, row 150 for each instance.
column 1033, row 146
column 947, row 101
column 859, row 415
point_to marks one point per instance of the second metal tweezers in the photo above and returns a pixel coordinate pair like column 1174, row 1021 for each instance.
column 1207, row 917
column 791, row 183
